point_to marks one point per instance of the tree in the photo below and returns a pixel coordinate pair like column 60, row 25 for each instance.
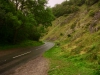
column 91, row 2
column 66, row 7
column 21, row 19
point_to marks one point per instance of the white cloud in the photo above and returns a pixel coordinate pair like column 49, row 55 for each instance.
column 54, row 2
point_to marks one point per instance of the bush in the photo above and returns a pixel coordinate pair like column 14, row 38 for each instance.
column 91, row 2
column 99, row 4
column 91, row 13
column 73, row 25
column 97, row 71
column 61, row 34
column 69, row 35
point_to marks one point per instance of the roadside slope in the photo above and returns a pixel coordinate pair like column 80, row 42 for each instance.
column 77, row 49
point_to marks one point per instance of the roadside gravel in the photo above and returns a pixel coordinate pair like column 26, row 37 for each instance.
column 38, row 66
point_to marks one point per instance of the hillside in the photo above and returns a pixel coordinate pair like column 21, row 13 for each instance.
column 77, row 38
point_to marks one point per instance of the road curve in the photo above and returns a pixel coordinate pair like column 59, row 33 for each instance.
column 12, row 60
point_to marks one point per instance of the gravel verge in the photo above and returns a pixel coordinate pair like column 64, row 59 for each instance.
column 38, row 66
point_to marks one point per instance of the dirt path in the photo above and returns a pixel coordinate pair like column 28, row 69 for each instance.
column 38, row 66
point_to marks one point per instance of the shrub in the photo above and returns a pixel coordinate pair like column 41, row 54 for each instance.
column 73, row 25
column 97, row 71
column 69, row 35
column 99, row 4
column 91, row 2
column 61, row 34
column 91, row 13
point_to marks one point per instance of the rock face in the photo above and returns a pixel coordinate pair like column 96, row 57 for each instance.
column 94, row 22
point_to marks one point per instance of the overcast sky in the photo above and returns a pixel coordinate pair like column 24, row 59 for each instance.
column 51, row 3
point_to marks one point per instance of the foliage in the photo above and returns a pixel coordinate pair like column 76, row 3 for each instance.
column 79, row 56
column 66, row 7
column 99, row 4
column 71, row 6
column 61, row 34
column 78, row 2
column 91, row 2
column 91, row 13
column 23, row 44
column 73, row 25
column 20, row 19
column 63, row 63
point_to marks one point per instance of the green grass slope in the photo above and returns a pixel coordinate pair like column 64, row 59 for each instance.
column 77, row 38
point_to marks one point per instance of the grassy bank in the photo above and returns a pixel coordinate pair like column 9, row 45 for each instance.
column 27, row 43
column 62, row 63
column 78, row 37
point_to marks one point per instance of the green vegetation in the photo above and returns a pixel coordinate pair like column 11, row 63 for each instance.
column 64, row 64
column 64, row 8
column 91, row 13
column 77, row 51
column 72, row 6
column 22, row 20
column 28, row 43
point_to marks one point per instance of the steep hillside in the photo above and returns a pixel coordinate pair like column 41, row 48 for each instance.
column 77, row 38
column 80, row 29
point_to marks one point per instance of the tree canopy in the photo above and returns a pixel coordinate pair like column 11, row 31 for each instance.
column 20, row 20
column 70, row 6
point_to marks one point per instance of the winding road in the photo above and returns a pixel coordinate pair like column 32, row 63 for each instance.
column 17, row 58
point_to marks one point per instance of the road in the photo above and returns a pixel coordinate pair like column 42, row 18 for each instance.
column 11, row 60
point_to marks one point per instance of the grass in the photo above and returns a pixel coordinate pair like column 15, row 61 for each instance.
column 78, row 54
column 27, row 43
column 62, row 63
column 78, row 57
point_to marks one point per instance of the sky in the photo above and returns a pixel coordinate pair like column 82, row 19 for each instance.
column 52, row 3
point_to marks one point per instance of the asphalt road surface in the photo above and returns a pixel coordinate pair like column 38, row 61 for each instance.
column 11, row 60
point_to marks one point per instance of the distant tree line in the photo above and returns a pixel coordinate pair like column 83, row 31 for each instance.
column 70, row 6
column 23, row 20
